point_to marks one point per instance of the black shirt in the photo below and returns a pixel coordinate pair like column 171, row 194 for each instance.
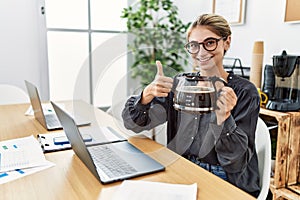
column 230, row 145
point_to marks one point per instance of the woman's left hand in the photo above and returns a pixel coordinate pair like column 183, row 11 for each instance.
column 226, row 102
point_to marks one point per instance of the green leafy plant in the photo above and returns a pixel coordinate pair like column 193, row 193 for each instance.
column 158, row 34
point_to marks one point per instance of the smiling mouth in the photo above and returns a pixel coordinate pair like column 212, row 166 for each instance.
column 204, row 59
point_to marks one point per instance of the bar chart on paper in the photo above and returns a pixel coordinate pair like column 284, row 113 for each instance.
column 12, row 158
column 20, row 153
column 20, row 157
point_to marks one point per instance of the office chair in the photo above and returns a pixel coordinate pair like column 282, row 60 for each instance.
column 263, row 149
column 12, row 95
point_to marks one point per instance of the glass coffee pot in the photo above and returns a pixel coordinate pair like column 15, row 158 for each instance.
column 196, row 94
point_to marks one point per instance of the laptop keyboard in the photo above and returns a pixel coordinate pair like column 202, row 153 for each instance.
column 108, row 161
column 52, row 121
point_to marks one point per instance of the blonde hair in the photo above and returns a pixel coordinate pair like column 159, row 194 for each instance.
column 215, row 23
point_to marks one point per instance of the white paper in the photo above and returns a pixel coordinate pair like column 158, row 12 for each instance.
column 15, row 174
column 145, row 190
column 21, row 153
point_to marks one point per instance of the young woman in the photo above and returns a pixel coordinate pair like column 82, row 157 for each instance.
column 221, row 141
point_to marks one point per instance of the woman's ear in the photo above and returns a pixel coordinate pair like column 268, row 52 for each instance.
column 227, row 43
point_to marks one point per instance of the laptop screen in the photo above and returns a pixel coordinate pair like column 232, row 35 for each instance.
column 75, row 139
column 35, row 103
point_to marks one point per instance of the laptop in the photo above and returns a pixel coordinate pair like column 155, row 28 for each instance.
column 49, row 121
column 109, row 161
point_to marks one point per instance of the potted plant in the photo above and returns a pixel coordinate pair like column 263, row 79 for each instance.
column 158, row 34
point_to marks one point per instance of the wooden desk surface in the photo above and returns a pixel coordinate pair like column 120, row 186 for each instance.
column 70, row 179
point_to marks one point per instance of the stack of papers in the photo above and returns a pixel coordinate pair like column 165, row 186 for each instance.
column 145, row 190
column 20, row 157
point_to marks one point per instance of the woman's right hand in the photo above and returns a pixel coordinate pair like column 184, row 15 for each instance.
column 160, row 87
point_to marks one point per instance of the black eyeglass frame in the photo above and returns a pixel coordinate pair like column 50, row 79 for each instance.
column 203, row 44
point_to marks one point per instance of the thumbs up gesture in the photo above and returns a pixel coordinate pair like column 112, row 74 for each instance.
column 160, row 86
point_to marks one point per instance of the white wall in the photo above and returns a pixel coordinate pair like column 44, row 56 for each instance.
column 23, row 52
column 264, row 21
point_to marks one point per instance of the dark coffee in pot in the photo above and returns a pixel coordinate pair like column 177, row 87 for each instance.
column 194, row 99
column 196, row 94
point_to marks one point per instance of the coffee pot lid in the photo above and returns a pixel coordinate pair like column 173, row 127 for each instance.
column 196, row 76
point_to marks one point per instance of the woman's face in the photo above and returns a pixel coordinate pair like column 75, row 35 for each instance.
column 208, row 60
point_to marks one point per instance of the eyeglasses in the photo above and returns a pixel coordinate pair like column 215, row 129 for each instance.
column 209, row 44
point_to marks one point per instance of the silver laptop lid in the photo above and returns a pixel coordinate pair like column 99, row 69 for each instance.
column 36, row 103
column 75, row 139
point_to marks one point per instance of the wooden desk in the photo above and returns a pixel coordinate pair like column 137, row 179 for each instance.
column 70, row 179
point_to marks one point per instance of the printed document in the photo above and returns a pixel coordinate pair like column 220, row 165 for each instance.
column 21, row 153
column 146, row 190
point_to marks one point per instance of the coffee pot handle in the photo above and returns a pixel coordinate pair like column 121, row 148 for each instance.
column 215, row 79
